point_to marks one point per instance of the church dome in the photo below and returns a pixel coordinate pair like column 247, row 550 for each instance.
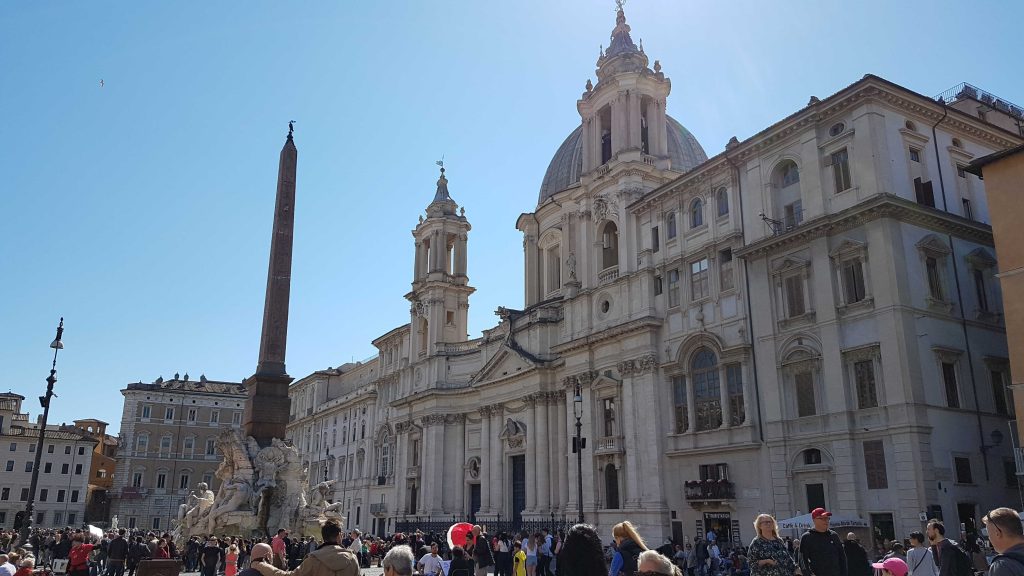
column 567, row 164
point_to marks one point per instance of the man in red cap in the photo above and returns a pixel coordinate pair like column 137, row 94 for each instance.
column 821, row 550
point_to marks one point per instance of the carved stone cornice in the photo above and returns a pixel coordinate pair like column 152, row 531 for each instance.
column 531, row 400
column 802, row 366
column 491, row 410
column 455, row 419
column 862, row 353
column 646, row 323
column 637, row 366
column 432, row 420
column 403, row 427
column 583, row 379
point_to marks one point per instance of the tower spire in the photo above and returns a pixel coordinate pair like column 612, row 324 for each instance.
column 267, row 408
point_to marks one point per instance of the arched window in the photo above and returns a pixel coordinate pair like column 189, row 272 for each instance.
column 722, row 200
column 788, row 201
column 384, row 465
column 611, row 486
column 609, row 245
column 142, row 443
column 696, row 213
column 706, row 390
column 165, row 446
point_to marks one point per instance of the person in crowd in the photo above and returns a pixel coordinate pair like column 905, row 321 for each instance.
column 518, row 559
column 7, row 568
column 891, row 567
column 679, row 556
column 857, row 563
column 952, row 561
column 481, row 551
column 691, row 560
column 502, row 555
column 209, row 558
column 261, row 552
column 628, row 546
column 714, row 556
column 651, row 563
column 78, row 557
column 398, row 561
column 137, row 552
column 231, row 561
column 557, row 540
column 821, row 551
column 919, row 557
column 163, row 550
column 117, row 554
column 330, row 559
column 544, row 554
column 280, row 547
column 1007, row 538
column 26, row 566
column 461, row 564
column 767, row 554
column 430, row 564
column 897, row 550
column 581, row 552
column 531, row 554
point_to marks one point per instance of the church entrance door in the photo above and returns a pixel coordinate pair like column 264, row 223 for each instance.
column 518, row 488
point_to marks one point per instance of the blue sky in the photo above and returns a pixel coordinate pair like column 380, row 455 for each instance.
column 140, row 210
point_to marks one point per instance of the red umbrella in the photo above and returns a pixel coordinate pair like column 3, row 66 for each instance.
column 460, row 534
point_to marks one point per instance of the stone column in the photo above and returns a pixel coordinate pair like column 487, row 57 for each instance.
column 634, row 119
column 648, row 494
column 497, row 461
column 554, row 450
column 419, row 262
column 458, row 464
column 485, row 458
column 401, row 496
column 462, row 268
column 432, row 460
column 543, row 456
column 619, row 123
column 632, row 416
column 531, row 452
column 662, row 129
column 691, row 405
column 563, row 452
column 532, row 269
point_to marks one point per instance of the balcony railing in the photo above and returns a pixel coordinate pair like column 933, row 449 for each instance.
column 608, row 274
column 1018, row 456
column 379, row 509
column 709, row 490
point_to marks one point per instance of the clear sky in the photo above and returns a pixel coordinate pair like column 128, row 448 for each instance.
column 140, row 209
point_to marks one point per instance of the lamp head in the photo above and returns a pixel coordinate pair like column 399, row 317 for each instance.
column 57, row 344
column 577, row 401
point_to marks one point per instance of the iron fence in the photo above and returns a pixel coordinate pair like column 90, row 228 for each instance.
column 493, row 526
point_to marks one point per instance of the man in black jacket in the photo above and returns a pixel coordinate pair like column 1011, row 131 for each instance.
column 821, row 551
column 951, row 559
column 857, row 563
column 1007, row 537
column 117, row 554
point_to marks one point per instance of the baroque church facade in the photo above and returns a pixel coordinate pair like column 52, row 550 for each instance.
column 810, row 317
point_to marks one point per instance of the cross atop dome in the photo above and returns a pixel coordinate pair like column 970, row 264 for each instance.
column 621, row 41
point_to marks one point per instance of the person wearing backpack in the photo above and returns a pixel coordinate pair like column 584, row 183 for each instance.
column 951, row 559
column 1007, row 538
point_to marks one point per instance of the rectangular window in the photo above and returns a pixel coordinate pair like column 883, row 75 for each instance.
column 10, row 466
column 64, row 468
column 609, row 416
column 864, row 376
column 673, row 288
column 699, row 279
column 853, row 281
column 14, row 446
column 793, row 214
column 1010, row 473
column 189, row 445
column 681, row 408
column 78, row 469
column 40, row 518
column 74, row 495
column 168, row 413
column 156, row 522
column 734, row 378
column 5, row 493
column 132, row 522
column 3, row 518
column 215, row 417
column 915, row 155
column 146, row 410
column 81, row 450
column 31, row 448
column 657, row 286
column 24, row 494
column 43, row 494
column 161, row 480
column 192, row 414
column 236, row 417
column 60, row 495
column 725, row 270
column 67, row 449
column 841, row 170
column 962, row 469
column 47, row 467
column 714, row 472
column 931, row 265
column 794, row 296
column 183, row 482
column 28, row 466
column 979, row 289
column 57, row 517
column 874, row 465
column 655, row 241
column 999, row 392
column 211, row 447
column 672, row 226
column 49, row 449
column 924, row 193
column 415, row 453
column 137, row 480
column 949, row 380
column 968, row 212
column 805, row 404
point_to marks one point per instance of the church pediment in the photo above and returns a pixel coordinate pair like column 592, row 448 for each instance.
column 502, row 365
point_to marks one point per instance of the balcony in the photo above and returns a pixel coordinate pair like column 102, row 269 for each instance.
column 609, row 445
column 379, row 509
column 709, row 491
column 609, row 274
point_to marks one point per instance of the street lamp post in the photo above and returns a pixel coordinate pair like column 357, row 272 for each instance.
column 26, row 525
column 578, row 444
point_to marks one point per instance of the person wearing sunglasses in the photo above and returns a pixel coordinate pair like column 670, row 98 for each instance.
column 821, row 550
column 652, row 563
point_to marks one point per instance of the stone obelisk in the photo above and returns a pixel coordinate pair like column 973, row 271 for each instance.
column 268, row 406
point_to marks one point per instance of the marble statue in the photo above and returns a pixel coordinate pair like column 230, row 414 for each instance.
column 113, row 523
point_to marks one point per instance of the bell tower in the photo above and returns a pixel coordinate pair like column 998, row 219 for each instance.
column 624, row 114
column 439, row 310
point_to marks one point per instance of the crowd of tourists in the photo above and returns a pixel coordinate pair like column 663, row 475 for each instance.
column 580, row 551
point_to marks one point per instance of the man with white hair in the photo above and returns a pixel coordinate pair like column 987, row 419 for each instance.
column 652, row 562
column 398, row 561
column 6, row 568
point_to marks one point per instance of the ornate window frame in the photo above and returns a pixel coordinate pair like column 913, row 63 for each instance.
column 981, row 260
column 792, row 266
column 866, row 353
column 931, row 246
column 952, row 356
column 851, row 251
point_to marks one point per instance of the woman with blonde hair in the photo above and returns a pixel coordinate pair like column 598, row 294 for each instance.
column 768, row 555
column 628, row 546
column 231, row 561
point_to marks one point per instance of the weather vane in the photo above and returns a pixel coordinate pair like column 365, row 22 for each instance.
column 619, row 4
column 440, row 163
